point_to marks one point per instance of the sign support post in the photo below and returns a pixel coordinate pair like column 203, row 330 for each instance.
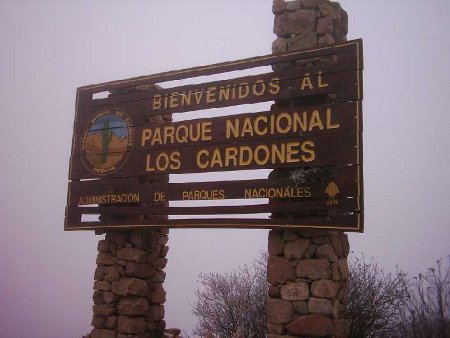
column 307, row 269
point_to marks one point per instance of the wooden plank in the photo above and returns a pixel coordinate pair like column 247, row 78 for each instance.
column 280, row 123
column 343, row 51
column 345, row 86
column 340, row 206
column 344, row 222
column 310, row 185
column 323, row 74
column 285, row 153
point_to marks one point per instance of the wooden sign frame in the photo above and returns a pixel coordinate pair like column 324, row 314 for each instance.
column 314, row 146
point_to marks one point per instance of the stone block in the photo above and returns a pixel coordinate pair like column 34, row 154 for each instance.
column 157, row 295
column 102, row 285
column 290, row 235
column 324, row 288
column 296, row 249
column 117, row 237
column 293, row 23
column 335, row 272
column 99, row 322
column 113, row 273
column 301, row 41
column 320, row 306
column 139, row 270
column 342, row 295
column 131, row 255
column 301, row 307
column 324, row 25
column 336, row 240
column 111, row 322
column 133, row 306
column 160, row 263
column 326, row 251
column 330, row 10
column 279, row 311
column 343, row 269
column 130, row 325
column 104, row 309
column 341, row 328
column 314, row 269
column 104, row 258
column 158, row 277
column 327, row 39
column 295, row 291
column 130, row 287
column 274, row 291
column 155, row 313
column 312, row 3
column 109, row 297
column 97, row 297
column 294, row 5
column 99, row 272
column 103, row 246
column 279, row 270
column 276, row 242
column 278, row 6
column 102, row 333
column 275, row 328
column 311, row 326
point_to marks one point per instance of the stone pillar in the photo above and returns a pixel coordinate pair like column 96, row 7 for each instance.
column 308, row 277
column 129, row 294
column 307, row 269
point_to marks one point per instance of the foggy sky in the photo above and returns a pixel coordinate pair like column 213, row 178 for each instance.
column 49, row 48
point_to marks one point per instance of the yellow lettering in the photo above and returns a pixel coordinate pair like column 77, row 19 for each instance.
column 185, row 99
column 330, row 124
column 216, row 159
column 247, row 127
column 308, row 148
column 169, row 133
column 306, row 82
column 266, row 154
column 202, row 164
column 157, row 137
column 224, row 93
column 274, row 85
column 173, row 101
column 321, row 84
column 175, row 160
column 211, row 94
column 148, row 166
column 259, row 131
column 231, row 155
column 315, row 121
column 146, row 135
column 243, row 90
column 262, row 88
column 156, row 102
column 232, row 128
column 292, row 152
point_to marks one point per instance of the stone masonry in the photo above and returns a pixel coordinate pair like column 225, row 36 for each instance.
column 307, row 269
column 129, row 293
column 308, row 276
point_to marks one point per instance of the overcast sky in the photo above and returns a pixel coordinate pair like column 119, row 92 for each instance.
column 49, row 48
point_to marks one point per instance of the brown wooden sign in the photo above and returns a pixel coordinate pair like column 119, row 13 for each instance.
column 315, row 145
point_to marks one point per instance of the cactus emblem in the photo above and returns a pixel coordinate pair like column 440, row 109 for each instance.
column 106, row 140
column 332, row 191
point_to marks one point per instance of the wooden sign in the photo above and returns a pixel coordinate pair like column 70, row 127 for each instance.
column 314, row 145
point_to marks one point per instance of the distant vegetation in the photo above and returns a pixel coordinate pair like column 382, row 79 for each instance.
column 232, row 305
